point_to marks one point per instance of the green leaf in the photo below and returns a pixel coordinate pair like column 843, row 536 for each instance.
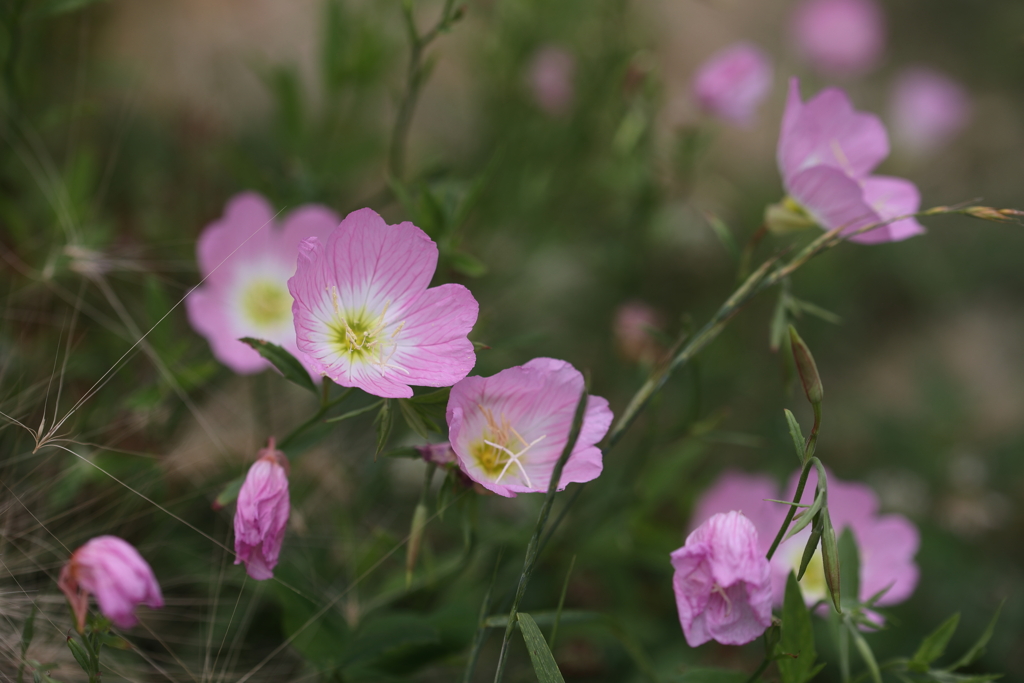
column 467, row 264
column 439, row 396
column 849, row 560
column 543, row 661
column 978, row 648
column 81, row 656
column 801, row 306
column 547, row 618
column 287, row 364
column 228, row 494
column 417, row 422
column 723, row 233
column 780, row 319
column 384, row 422
column 817, row 527
column 830, row 560
column 934, row 645
column 795, row 433
column 797, row 636
column 865, row 651
column 28, row 630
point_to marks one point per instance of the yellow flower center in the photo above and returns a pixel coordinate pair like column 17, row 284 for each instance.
column 267, row 303
column 500, row 447
column 362, row 336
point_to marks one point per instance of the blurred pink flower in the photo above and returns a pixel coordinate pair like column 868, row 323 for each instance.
column 112, row 570
column 840, row 37
column 733, row 82
column 550, row 77
column 635, row 323
column 246, row 260
column 508, row 430
column 262, row 513
column 722, row 586
column 887, row 543
column 826, row 152
column 364, row 315
column 928, row 109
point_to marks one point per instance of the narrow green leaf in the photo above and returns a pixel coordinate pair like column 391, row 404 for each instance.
column 357, row 411
column 978, row 648
column 547, row 618
column 543, row 661
column 849, row 560
column 28, row 630
column 830, row 560
column 865, row 652
column 934, row 645
column 468, row 265
column 795, row 433
column 229, row 493
column 817, row 311
column 812, row 544
column 81, row 656
column 384, row 422
column 723, row 233
column 807, row 516
column 797, row 636
column 287, row 364
column 415, row 420
column 561, row 603
column 780, row 319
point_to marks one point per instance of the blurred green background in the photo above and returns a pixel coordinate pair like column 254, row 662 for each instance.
column 126, row 126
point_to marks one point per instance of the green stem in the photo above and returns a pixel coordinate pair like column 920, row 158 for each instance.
column 760, row 670
column 533, row 548
column 481, row 629
column 792, row 508
column 415, row 76
column 812, row 438
column 325, row 405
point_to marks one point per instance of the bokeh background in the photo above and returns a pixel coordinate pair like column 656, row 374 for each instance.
column 126, row 127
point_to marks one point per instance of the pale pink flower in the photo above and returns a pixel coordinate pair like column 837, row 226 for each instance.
column 840, row 37
column 887, row 543
column 364, row 316
column 112, row 570
column 550, row 77
column 722, row 586
column 262, row 513
column 508, row 430
column 246, row 258
column 634, row 328
column 733, row 82
column 826, row 152
column 928, row 109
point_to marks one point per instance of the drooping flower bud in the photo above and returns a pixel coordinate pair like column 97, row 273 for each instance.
column 112, row 570
column 807, row 368
column 262, row 513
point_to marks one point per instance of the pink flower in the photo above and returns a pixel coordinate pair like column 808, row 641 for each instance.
column 509, row 430
column 246, row 260
column 364, row 315
column 825, row 155
column 635, row 323
column 550, row 78
column 112, row 570
column 840, row 37
column 721, row 582
column 262, row 513
column 733, row 83
column 887, row 543
column 928, row 109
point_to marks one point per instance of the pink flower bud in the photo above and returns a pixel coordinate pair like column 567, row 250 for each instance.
column 722, row 582
column 733, row 83
column 112, row 570
column 262, row 513
column 440, row 454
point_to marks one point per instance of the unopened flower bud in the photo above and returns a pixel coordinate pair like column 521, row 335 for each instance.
column 440, row 454
column 807, row 368
column 786, row 217
column 112, row 570
column 262, row 514
column 987, row 213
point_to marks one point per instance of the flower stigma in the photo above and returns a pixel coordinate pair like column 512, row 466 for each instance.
column 493, row 452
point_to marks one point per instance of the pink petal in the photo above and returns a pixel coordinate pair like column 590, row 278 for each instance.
column 433, row 349
column 245, row 229
column 832, row 199
column 888, row 547
column 735, row 490
column 206, row 314
column 891, row 197
column 826, row 130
